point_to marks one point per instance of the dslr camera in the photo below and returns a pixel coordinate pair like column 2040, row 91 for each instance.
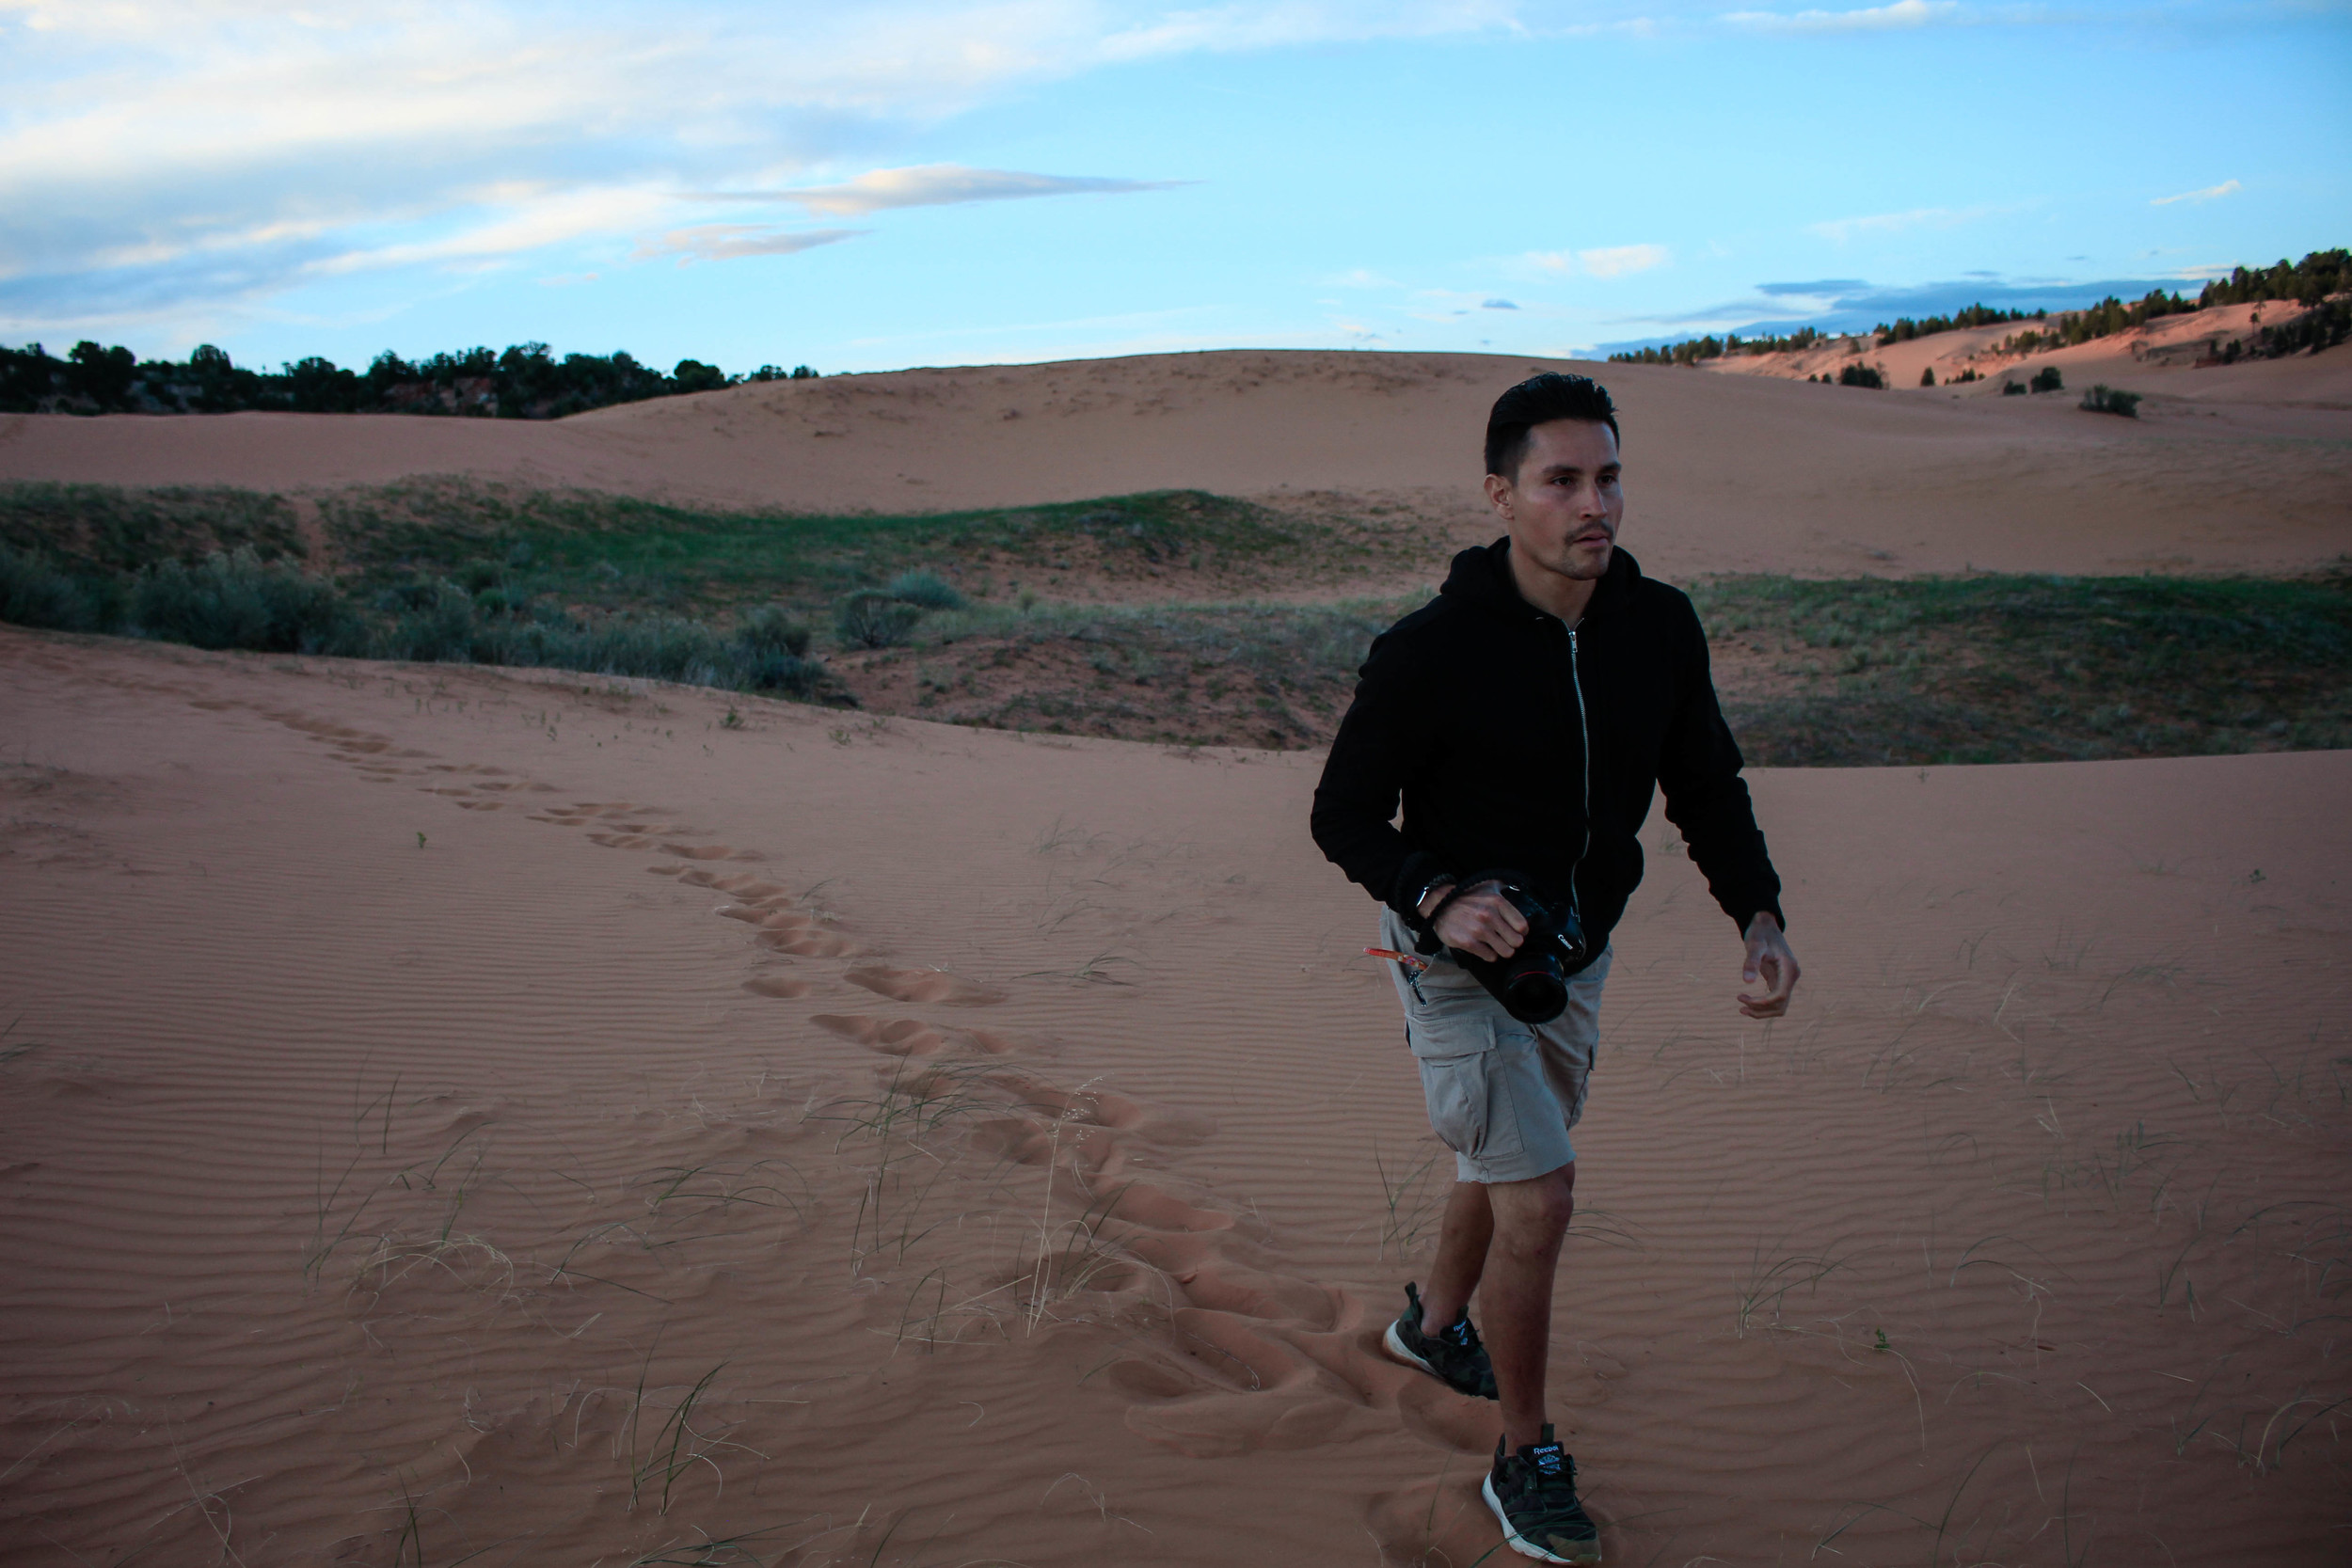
column 1532, row 983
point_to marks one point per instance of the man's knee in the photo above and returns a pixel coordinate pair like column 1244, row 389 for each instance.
column 1537, row 1211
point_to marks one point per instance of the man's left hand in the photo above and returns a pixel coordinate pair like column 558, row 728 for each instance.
column 1770, row 960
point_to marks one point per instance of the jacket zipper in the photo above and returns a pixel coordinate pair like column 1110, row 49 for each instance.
column 1584, row 753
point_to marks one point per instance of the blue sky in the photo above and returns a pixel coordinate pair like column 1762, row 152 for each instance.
column 867, row 186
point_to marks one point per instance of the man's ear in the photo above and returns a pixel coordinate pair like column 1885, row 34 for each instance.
column 1498, row 494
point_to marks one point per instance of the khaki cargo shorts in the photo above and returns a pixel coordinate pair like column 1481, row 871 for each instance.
column 1502, row 1094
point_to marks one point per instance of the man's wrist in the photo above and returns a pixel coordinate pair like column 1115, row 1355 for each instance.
column 1432, row 895
column 1764, row 919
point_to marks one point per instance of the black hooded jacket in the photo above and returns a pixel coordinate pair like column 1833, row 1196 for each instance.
column 1517, row 743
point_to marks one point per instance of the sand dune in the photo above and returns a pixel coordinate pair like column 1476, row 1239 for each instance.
column 2167, row 360
column 446, row 1110
column 450, row 1112
column 2241, row 468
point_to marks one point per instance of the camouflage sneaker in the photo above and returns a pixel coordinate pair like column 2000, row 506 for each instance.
column 1452, row 1355
column 1532, row 1493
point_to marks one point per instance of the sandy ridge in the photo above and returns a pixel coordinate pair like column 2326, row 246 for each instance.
column 2239, row 468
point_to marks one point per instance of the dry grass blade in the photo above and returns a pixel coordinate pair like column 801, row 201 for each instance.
column 1408, row 1203
column 1770, row 1279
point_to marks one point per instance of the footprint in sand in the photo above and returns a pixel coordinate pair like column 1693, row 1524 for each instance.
column 892, row 1036
column 711, row 852
column 1234, row 1386
column 783, row 985
column 923, row 985
column 1251, row 1358
column 998, row 1043
column 1088, row 1152
column 808, row 943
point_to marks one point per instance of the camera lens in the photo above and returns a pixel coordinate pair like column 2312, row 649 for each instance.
column 1535, row 994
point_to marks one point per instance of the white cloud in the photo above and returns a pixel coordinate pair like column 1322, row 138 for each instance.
column 534, row 222
column 939, row 185
column 2227, row 187
column 1617, row 260
column 1902, row 13
column 1842, row 230
column 1233, row 28
column 1604, row 261
column 729, row 242
column 273, row 142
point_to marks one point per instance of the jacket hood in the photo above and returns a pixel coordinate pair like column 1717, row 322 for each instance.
column 1481, row 577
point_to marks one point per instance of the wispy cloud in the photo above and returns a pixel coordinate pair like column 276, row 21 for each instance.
column 1604, row 261
column 1841, row 229
column 729, row 242
column 942, row 185
column 1233, row 27
column 217, row 151
column 1617, row 260
column 1497, row 305
column 2210, row 193
column 1902, row 13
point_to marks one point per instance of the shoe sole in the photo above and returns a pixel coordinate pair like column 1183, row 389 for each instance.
column 1394, row 1344
column 1519, row 1544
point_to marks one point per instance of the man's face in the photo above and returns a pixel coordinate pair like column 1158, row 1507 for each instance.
column 1565, row 504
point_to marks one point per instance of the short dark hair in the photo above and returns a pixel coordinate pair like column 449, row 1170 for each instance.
column 1539, row 399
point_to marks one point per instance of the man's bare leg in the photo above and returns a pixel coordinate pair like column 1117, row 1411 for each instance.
column 1463, row 1236
column 1504, row 1237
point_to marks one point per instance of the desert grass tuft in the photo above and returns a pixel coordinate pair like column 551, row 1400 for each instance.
column 1771, row 1278
column 1408, row 1202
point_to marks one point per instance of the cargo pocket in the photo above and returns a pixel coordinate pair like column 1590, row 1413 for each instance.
column 1456, row 1092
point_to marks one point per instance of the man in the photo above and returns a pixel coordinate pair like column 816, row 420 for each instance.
column 1525, row 717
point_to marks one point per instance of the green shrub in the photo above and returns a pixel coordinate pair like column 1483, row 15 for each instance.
column 661, row 646
column 239, row 601
column 436, row 628
column 2111, row 400
column 1862, row 376
column 776, row 671
column 2013, row 390
column 772, row 628
column 2047, row 379
column 1927, row 376
column 871, row 620
column 35, row 593
column 927, row 589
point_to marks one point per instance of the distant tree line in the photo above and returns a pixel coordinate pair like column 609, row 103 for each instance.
column 527, row 381
column 2102, row 320
column 1902, row 328
column 1696, row 349
column 2310, row 282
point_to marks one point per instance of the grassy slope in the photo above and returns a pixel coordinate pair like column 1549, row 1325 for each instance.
column 2027, row 669
column 1193, row 648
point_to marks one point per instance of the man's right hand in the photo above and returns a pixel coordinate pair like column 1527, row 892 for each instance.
column 1481, row 923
